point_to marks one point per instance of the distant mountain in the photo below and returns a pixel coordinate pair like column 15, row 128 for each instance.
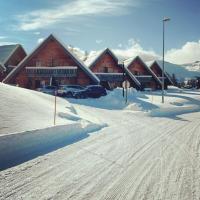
column 181, row 71
column 195, row 66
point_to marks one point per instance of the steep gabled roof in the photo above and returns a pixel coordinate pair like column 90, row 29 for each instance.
column 129, row 61
column 2, row 67
column 99, row 55
column 6, row 52
column 151, row 63
column 68, row 52
column 133, row 78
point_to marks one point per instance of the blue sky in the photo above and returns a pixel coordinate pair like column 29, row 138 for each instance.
column 125, row 26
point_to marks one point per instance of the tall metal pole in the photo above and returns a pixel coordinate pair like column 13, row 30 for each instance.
column 123, row 78
column 163, row 63
column 54, row 120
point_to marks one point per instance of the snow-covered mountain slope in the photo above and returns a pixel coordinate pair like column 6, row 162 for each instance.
column 180, row 71
column 195, row 66
column 22, row 110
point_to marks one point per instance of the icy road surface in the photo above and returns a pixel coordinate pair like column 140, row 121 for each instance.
column 135, row 157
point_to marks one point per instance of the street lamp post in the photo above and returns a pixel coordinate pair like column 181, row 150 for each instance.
column 163, row 63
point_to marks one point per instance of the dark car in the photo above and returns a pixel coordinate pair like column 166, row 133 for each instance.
column 92, row 91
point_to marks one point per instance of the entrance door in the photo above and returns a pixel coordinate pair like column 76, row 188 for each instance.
column 37, row 84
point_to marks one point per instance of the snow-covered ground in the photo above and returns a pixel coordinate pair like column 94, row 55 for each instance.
column 147, row 150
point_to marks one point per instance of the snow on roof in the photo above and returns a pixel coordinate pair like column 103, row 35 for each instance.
column 132, row 76
column 180, row 71
column 128, row 61
column 93, row 55
column 97, row 55
column 2, row 67
column 6, row 51
column 150, row 63
column 74, row 57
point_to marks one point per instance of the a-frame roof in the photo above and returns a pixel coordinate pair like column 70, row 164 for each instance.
column 151, row 63
column 68, row 52
column 132, row 77
column 6, row 52
column 129, row 61
column 2, row 67
column 98, row 56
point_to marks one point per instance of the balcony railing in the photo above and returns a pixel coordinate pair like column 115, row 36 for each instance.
column 144, row 78
column 61, row 71
column 111, row 77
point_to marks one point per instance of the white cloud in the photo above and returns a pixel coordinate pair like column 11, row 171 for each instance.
column 36, row 33
column 134, row 49
column 45, row 17
column 6, row 43
column 2, row 37
column 40, row 40
column 99, row 41
column 188, row 53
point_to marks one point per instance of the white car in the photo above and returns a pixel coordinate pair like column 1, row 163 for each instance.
column 48, row 89
column 68, row 90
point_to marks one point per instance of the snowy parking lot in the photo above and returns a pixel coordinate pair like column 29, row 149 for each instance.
column 142, row 150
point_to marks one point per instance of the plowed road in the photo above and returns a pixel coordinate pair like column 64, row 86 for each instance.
column 135, row 157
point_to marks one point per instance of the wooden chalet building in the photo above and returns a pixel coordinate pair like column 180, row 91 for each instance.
column 10, row 57
column 109, row 71
column 142, row 73
column 157, row 69
column 51, row 63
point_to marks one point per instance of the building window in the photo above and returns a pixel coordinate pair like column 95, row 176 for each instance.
column 105, row 69
column 38, row 63
column 110, row 70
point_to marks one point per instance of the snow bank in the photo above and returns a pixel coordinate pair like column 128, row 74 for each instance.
column 115, row 101
column 177, row 101
column 23, row 110
column 18, row 148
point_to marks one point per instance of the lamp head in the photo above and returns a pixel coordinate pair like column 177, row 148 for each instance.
column 165, row 19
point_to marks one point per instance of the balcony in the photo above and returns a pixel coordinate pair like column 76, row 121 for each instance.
column 61, row 71
column 144, row 78
column 111, row 77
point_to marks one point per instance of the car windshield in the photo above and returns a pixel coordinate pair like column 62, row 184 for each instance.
column 50, row 87
column 71, row 86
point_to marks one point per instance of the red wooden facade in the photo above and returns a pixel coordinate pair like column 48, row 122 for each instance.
column 155, row 67
column 106, row 66
column 15, row 56
column 144, row 75
column 51, row 61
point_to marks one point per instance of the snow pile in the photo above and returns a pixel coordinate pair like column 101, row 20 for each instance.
column 27, row 125
column 24, row 110
column 112, row 101
column 177, row 101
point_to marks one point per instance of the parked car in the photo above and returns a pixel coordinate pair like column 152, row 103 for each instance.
column 69, row 90
column 92, row 91
column 48, row 89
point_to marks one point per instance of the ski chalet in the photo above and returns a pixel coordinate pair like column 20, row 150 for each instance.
column 110, row 71
column 10, row 57
column 142, row 73
column 51, row 63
